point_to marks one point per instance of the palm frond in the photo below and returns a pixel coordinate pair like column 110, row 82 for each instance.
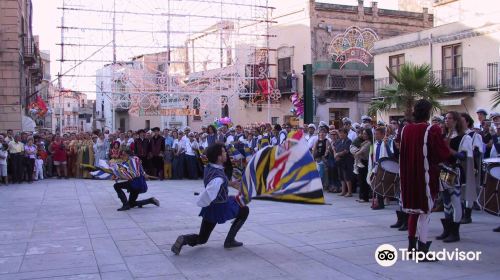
column 495, row 99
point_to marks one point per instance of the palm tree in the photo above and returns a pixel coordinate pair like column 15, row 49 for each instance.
column 411, row 83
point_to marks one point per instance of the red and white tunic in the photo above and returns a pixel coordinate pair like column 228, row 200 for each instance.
column 422, row 149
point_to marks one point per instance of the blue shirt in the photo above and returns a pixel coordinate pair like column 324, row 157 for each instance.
column 169, row 141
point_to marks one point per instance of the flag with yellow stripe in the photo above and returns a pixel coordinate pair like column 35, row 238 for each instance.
column 283, row 173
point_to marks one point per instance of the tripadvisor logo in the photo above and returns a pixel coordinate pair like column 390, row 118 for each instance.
column 387, row 255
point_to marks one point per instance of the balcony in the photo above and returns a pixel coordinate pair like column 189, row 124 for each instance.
column 336, row 68
column 493, row 76
column 459, row 80
column 382, row 83
column 29, row 51
column 345, row 84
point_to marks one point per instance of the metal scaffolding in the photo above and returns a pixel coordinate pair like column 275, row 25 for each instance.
column 156, row 54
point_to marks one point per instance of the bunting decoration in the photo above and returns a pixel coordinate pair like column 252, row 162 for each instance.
column 283, row 173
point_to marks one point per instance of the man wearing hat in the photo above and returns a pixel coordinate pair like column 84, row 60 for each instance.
column 141, row 149
column 310, row 137
column 156, row 149
column 481, row 115
column 348, row 125
column 231, row 137
column 366, row 119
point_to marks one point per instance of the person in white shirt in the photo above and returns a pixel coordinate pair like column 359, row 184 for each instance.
column 193, row 168
column 217, row 205
column 3, row 160
column 348, row 125
column 310, row 137
column 231, row 136
column 38, row 168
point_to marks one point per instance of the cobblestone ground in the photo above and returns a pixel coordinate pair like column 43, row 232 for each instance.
column 70, row 229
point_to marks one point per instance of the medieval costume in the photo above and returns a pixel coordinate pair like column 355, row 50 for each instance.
column 101, row 148
column 131, row 170
column 462, row 164
column 422, row 149
column 471, row 191
column 86, row 156
column 217, row 208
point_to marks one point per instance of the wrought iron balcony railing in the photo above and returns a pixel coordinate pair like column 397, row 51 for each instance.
column 340, row 83
column 493, row 76
column 459, row 80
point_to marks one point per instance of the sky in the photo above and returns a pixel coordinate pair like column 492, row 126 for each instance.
column 47, row 17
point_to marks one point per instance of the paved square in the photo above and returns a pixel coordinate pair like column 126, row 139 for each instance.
column 70, row 229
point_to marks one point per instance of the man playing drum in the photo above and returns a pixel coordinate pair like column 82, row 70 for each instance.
column 422, row 149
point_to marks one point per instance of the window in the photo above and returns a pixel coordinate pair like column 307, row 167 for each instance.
column 395, row 63
column 147, row 124
column 452, row 60
column 122, row 124
column 275, row 120
column 285, row 74
column 196, row 107
column 69, row 105
column 225, row 111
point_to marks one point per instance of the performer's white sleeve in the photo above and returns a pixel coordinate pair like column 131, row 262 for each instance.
column 282, row 138
column 210, row 192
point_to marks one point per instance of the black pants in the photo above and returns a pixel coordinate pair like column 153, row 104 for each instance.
column 157, row 166
column 132, row 199
column 30, row 167
column 17, row 167
column 207, row 227
column 364, row 188
column 191, row 167
column 146, row 164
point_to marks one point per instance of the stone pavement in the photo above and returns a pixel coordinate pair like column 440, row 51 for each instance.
column 70, row 229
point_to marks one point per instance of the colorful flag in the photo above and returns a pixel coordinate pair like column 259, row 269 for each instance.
column 283, row 173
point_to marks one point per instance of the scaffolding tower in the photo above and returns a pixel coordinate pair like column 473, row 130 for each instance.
column 164, row 57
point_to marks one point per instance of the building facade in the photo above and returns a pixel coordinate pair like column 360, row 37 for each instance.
column 72, row 112
column 20, row 63
column 463, row 55
column 46, row 91
column 338, row 41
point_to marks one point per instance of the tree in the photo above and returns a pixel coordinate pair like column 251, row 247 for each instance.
column 412, row 82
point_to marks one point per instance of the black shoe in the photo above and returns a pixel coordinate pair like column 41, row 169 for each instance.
column 496, row 229
column 404, row 225
column 399, row 223
column 446, row 229
column 424, row 247
column 155, row 201
column 125, row 207
column 412, row 243
column 466, row 219
column 232, row 243
column 454, row 235
column 176, row 248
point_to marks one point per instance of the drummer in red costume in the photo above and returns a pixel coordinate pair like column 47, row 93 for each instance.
column 422, row 149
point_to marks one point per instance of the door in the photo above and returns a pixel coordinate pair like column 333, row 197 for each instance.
column 336, row 115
